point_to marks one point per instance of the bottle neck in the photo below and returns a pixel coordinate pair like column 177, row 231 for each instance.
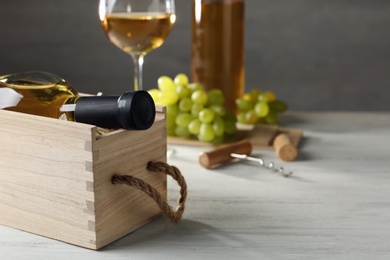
column 67, row 108
column 132, row 110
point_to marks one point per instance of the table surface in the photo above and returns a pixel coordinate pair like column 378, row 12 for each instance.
column 335, row 205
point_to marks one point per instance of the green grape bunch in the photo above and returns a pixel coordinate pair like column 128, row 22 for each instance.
column 256, row 107
column 193, row 112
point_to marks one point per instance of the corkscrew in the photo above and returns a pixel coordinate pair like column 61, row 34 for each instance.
column 239, row 150
column 270, row 165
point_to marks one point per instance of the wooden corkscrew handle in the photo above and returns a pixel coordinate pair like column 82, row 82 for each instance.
column 222, row 154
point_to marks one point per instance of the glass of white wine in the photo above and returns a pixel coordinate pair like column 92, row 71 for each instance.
column 137, row 27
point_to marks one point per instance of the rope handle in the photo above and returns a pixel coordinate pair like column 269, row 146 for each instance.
column 161, row 167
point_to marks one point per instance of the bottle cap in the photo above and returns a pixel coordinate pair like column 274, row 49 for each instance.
column 132, row 110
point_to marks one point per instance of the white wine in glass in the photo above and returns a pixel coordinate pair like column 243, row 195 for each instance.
column 137, row 27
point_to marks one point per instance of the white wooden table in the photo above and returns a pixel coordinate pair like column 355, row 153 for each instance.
column 335, row 206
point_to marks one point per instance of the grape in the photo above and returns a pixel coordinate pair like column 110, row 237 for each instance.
column 181, row 79
column 166, row 84
column 267, row 96
column 183, row 91
column 218, row 140
column 270, row 95
column 255, row 92
column 251, row 117
column 230, row 127
column 185, row 104
column 271, row 118
column 199, row 97
column 195, row 109
column 215, row 97
column 171, row 121
column 171, row 115
column 261, row 109
column 218, row 109
column 182, row 131
column 192, row 112
column 167, row 98
column 195, row 86
column 172, row 110
column 206, row 115
column 194, row 126
column 277, row 106
column 171, row 131
column 206, row 132
column 219, row 127
column 183, row 119
column 249, row 97
column 244, row 105
column 241, row 118
column 256, row 107
column 154, row 94
column 230, row 116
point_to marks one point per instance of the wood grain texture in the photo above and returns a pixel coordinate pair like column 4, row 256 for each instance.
column 56, row 178
column 223, row 153
column 120, row 209
column 334, row 206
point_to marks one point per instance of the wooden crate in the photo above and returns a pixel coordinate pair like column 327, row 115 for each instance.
column 56, row 178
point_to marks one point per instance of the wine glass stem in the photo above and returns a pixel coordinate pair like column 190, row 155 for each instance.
column 138, row 60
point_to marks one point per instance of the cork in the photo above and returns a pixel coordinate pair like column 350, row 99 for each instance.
column 284, row 148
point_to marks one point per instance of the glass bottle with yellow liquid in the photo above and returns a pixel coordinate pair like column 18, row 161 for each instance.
column 217, row 49
column 46, row 94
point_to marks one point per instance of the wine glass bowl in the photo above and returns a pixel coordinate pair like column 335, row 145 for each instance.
column 137, row 27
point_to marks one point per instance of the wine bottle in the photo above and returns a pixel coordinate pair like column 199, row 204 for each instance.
column 45, row 94
column 217, row 47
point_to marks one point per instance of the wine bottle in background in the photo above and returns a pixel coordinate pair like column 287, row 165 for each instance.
column 217, row 49
column 46, row 94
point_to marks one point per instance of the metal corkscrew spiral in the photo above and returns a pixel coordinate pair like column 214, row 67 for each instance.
column 270, row 165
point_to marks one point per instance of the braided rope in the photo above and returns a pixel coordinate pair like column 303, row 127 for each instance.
column 174, row 172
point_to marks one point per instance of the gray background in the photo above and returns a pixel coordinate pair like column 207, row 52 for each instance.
column 315, row 54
